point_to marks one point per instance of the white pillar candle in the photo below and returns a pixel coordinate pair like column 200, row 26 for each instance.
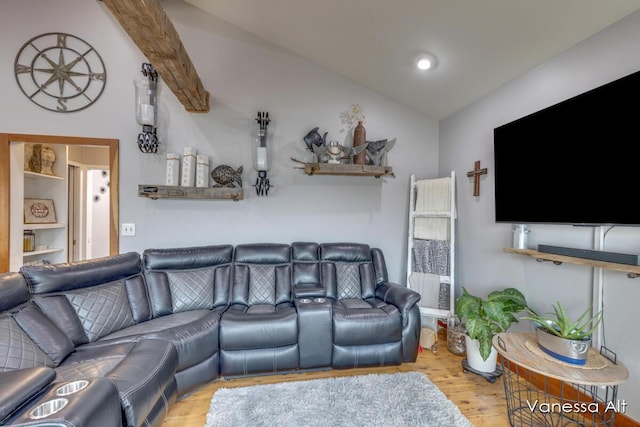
column 147, row 114
column 261, row 159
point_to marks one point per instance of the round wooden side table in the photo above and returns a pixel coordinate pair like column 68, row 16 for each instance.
column 543, row 391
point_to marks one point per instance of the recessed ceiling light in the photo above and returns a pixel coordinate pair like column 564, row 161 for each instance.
column 426, row 61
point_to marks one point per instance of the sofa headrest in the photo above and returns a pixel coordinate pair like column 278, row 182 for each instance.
column 13, row 291
column 63, row 277
column 304, row 251
column 345, row 252
column 263, row 253
column 187, row 258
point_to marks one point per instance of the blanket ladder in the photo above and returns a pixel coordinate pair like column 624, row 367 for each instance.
column 444, row 306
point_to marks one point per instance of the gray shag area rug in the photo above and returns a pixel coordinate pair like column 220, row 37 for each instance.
column 394, row 400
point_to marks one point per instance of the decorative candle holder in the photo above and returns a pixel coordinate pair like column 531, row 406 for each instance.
column 147, row 109
column 188, row 177
column 262, row 154
column 173, row 169
column 202, row 171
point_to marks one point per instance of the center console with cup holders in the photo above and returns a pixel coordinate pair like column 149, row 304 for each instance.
column 316, row 338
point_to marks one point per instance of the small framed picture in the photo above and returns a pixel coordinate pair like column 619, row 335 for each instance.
column 39, row 211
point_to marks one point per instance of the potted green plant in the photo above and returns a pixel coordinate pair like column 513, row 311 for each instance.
column 563, row 338
column 484, row 318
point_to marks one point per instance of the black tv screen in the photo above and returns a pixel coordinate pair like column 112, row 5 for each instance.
column 576, row 162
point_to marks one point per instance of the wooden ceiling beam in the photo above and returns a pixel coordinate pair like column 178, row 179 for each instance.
column 151, row 30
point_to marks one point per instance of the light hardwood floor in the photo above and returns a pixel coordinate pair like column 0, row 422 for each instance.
column 482, row 402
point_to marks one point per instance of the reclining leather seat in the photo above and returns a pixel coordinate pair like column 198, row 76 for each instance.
column 368, row 327
column 259, row 331
column 188, row 289
column 77, row 306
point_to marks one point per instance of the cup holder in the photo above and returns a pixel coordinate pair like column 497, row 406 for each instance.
column 72, row 387
column 48, row 408
column 319, row 299
column 304, row 300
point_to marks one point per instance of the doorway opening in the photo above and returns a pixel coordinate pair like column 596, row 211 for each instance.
column 14, row 188
column 88, row 202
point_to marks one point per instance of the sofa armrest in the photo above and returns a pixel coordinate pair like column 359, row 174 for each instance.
column 18, row 387
column 95, row 402
column 400, row 296
column 310, row 292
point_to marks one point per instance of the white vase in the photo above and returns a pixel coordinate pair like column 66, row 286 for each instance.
column 475, row 360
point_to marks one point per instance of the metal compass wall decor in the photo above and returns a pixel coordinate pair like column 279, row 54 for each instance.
column 60, row 72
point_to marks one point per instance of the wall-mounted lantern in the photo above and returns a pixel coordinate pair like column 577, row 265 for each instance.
column 262, row 154
column 147, row 109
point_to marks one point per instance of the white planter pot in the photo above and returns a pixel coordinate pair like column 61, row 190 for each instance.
column 475, row 360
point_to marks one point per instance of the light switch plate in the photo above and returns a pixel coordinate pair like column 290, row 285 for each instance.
column 128, row 229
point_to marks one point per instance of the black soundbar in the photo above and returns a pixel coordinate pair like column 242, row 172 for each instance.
column 591, row 254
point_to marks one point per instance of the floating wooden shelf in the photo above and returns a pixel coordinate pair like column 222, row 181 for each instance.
column 347, row 170
column 631, row 270
column 194, row 193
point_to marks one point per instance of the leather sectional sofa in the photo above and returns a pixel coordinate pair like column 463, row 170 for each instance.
column 116, row 341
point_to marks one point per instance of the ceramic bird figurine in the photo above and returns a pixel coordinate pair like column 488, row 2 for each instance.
column 320, row 152
column 351, row 152
column 313, row 137
column 388, row 146
column 316, row 143
column 377, row 150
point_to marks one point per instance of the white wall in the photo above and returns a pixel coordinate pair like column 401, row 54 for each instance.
column 482, row 265
column 244, row 75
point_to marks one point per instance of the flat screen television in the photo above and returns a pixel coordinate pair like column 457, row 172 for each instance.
column 576, row 162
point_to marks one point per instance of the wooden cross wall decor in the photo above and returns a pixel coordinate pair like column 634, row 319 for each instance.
column 475, row 173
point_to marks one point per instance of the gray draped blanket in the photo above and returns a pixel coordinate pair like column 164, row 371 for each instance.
column 431, row 256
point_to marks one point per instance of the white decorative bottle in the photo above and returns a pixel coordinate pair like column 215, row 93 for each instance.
column 188, row 167
column 173, row 169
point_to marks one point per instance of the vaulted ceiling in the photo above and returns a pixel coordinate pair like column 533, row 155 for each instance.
column 479, row 45
column 152, row 31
